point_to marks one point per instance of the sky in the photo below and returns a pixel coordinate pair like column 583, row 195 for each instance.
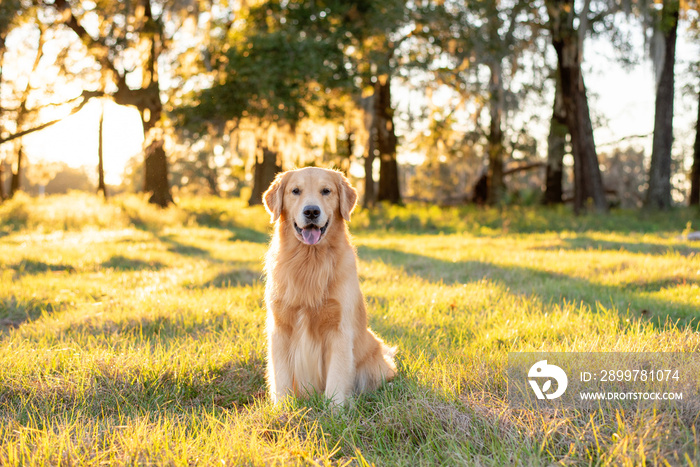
column 74, row 140
column 625, row 98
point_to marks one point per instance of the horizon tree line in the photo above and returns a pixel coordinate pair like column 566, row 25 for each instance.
column 276, row 66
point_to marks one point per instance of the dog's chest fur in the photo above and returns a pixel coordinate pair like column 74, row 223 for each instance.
column 302, row 275
column 307, row 356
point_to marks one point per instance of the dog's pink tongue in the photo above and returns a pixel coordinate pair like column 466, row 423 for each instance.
column 311, row 235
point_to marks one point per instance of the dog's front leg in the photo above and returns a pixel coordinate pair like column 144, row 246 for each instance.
column 279, row 373
column 341, row 369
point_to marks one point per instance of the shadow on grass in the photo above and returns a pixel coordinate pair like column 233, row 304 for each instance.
column 234, row 277
column 246, row 234
column 222, row 219
column 122, row 263
column 15, row 312
column 585, row 242
column 31, row 267
column 238, row 273
column 115, row 390
column 180, row 248
column 161, row 327
column 548, row 286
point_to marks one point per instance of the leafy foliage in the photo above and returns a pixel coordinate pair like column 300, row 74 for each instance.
column 286, row 64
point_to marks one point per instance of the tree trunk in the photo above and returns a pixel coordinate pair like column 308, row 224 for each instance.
column 480, row 192
column 156, row 171
column 212, row 178
column 151, row 108
column 389, row 180
column 263, row 174
column 370, row 111
column 369, row 197
column 386, row 142
column 16, row 180
column 588, row 181
column 496, row 186
column 695, row 173
column 100, row 157
column 556, row 149
column 156, row 174
column 2, row 162
column 659, row 191
column 2, row 180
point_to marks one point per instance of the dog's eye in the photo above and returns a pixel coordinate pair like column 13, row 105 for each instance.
column 296, row 191
column 326, row 191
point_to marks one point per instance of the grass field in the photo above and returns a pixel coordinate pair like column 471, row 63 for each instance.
column 130, row 335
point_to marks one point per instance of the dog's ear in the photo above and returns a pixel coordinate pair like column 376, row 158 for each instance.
column 272, row 198
column 347, row 195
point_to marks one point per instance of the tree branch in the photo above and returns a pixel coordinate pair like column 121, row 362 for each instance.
column 99, row 49
column 41, row 107
column 624, row 138
column 583, row 23
column 86, row 95
column 523, row 167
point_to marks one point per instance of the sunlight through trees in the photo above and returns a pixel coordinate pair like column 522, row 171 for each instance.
column 228, row 93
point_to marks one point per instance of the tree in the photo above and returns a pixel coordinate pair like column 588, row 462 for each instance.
column 556, row 148
column 494, row 149
column 9, row 10
column 567, row 40
column 285, row 66
column 207, row 165
column 486, row 42
column 139, row 30
column 371, row 46
column 101, row 187
column 694, row 199
column 291, row 61
column 265, row 170
column 384, row 143
column 22, row 114
column 374, row 32
column 500, row 43
column 659, row 191
column 661, row 19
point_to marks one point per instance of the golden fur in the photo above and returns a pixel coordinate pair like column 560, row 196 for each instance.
column 316, row 319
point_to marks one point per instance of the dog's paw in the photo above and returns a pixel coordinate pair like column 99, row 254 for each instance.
column 341, row 408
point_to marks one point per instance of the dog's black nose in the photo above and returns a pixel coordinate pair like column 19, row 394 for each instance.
column 312, row 212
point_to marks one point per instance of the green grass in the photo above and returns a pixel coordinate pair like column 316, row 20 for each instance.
column 130, row 335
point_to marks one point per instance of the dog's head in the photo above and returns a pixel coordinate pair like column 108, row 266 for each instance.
column 311, row 199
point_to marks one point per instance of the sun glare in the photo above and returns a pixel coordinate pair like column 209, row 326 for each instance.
column 74, row 140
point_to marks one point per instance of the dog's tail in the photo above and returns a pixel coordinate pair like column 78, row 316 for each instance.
column 377, row 368
column 388, row 353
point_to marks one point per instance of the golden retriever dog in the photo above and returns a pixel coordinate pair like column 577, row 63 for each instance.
column 318, row 338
